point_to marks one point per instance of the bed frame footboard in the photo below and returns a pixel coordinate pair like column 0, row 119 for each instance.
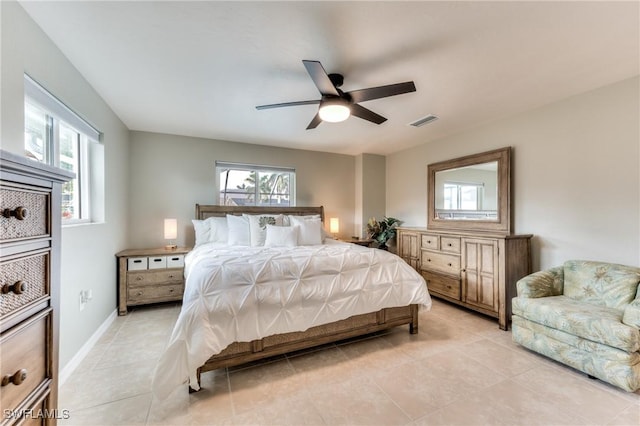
column 243, row 352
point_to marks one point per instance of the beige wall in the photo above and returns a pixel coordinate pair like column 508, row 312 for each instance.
column 576, row 182
column 370, row 190
column 170, row 174
column 88, row 250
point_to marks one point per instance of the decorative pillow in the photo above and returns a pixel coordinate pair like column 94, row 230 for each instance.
column 258, row 227
column 239, row 234
column 601, row 283
column 310, row 233
column 281, row 236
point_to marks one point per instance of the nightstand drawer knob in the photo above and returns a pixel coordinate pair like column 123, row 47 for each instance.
column 18, row 287
column 170, row 275
column 139, row 278
column 17, row 379
column 19, row 213
column 139, row 293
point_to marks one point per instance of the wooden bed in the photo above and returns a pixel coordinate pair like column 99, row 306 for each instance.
column 242, row 352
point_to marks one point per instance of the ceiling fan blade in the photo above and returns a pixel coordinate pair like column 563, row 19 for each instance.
column 287, row 104
column 315, row 122
column 382, row 91
column 320, row 78
column 366, row 114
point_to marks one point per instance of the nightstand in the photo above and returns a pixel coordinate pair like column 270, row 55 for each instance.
column 150, row 276
column 366, row 242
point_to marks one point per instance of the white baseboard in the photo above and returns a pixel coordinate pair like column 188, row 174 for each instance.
column 68, row 369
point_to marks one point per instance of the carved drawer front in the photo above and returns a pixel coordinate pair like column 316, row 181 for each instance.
column 447, row 286
column 450, row 244
column 440, row 262
column 430, row 242
column 154, row 277
column 24, row 360
column 154, row 293
column 23, row 213
column 22, row 281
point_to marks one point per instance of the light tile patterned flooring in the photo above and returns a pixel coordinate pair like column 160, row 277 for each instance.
column 460, row 369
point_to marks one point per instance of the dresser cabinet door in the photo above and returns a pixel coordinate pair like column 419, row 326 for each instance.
column 480, row 285
column 408, row 248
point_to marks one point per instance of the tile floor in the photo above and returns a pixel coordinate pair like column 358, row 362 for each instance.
column 460, row 369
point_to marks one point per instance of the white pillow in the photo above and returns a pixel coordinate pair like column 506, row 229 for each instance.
column 281, row 236
column 258, row 226
column 287, row 219
column 310, row 233
column 219, row 231
column 203, row 231
column 238, row 230
column 211, row 229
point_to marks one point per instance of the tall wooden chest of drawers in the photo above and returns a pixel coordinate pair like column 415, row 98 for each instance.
column 30, row 199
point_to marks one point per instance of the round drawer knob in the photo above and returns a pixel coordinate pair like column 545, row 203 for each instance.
column 17, row 378
column 449, row 244
column 449, row 264
column 19, row 213
column 139, row 293
column 18, row 287
column 138, row 278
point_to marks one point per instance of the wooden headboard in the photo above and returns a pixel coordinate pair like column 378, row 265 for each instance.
column 205, row 211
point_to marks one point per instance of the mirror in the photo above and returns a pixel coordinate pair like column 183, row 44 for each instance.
column 471, row 193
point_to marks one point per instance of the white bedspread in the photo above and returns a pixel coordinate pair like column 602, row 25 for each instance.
column 247, row 293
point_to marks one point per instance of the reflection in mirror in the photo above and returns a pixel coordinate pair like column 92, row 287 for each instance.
column 468, row 193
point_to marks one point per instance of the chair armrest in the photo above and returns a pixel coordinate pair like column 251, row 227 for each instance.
column 545, row 283
column 631, row 314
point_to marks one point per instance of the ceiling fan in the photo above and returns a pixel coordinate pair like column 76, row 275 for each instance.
column 336, row 105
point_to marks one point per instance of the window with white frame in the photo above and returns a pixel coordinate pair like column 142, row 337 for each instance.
column 55, row 135
column 462, row 196
column 252, row 185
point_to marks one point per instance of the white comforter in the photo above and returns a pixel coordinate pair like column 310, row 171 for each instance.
column 247, row 293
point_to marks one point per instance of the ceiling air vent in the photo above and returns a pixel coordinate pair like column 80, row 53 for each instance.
column 424, row 120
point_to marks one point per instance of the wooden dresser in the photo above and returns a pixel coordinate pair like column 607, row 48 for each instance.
column 475, row 270
column 30, row 289
column 150, row 276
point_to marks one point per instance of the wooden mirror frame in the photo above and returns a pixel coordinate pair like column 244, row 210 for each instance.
column 503, row 224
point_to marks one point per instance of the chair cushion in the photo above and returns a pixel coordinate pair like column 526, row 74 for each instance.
column 600, row 283
column 596, row 323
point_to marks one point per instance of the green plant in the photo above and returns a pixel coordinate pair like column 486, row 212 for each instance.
column 382, row 231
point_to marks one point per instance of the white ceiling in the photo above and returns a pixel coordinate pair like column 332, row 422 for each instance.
column 200, row 68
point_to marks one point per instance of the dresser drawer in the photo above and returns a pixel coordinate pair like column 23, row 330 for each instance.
column 444, row 285
column 440, row 262
column 450, row 244
column 155, row 293
column 23, row 281
column 23, row 213
column 430, row 242
column 162, row 276
column 24, row 360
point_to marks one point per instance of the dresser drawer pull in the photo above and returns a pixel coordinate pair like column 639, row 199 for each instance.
column 139, row 278
column 19, row 213
column 428, row 260
column 449, row 264
column 170, row 275
column 139, row 293
column 18, row 287
column 17, row 379
column 449, row 244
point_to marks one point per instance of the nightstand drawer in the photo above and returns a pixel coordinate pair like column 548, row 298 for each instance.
column 23, row 281
column 154, row 277
column 440, row 262
column 176, row 261
column 24, row 360
column 446, row 286
column 158, row 262
column 23, row 214
column 137, row 263
column 155, row 293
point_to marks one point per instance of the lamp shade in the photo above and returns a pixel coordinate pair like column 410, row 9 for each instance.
column 170, row 229
column 334, row 225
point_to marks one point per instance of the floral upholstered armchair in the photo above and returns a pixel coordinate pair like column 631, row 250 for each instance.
column 586, row 315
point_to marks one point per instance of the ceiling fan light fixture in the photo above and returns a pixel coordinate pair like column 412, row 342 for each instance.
column 334, row 111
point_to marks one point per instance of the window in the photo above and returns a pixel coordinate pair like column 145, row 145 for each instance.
column 251, row 185
column 462, row 196
column 55, row 135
